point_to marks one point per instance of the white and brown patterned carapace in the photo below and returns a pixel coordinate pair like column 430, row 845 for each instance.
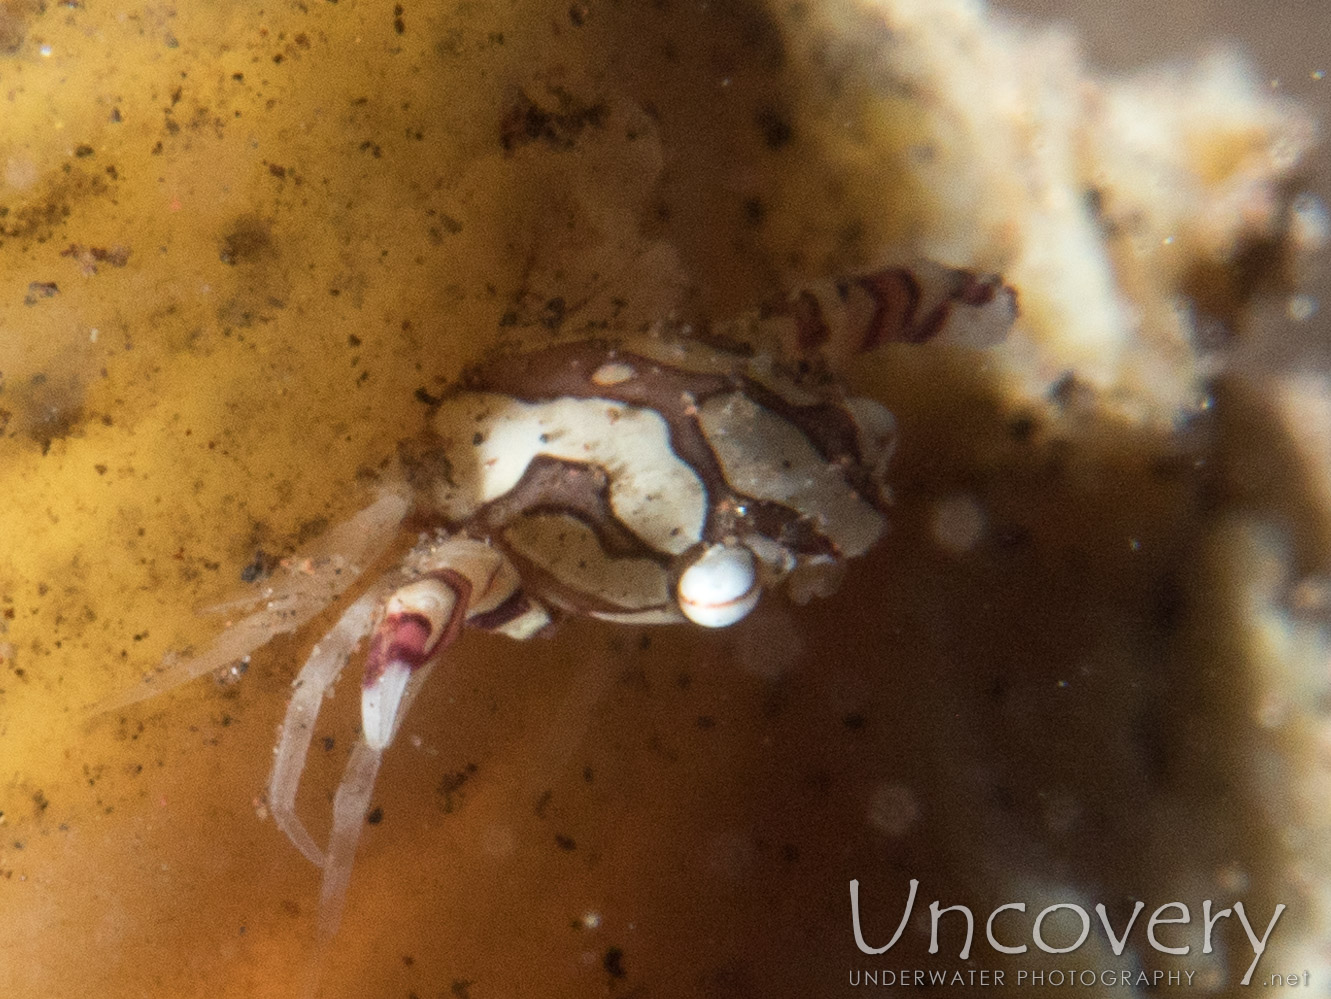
column 649, row 481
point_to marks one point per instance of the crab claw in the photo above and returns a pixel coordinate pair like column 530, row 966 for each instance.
column 457, row 578
column 419, row 619
column 381, row 703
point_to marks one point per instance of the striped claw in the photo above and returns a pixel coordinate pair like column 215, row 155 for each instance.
column 418, row 620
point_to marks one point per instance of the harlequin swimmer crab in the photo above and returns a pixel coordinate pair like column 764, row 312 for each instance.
column 646, row 481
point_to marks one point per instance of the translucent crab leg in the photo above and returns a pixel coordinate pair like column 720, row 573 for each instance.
column 349, row 807
column 322, row 572
column 458, row 578
column 318, row 674
column 419, row 621
column 350, row 804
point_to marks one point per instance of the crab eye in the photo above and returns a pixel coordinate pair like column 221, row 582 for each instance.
column 720, row 587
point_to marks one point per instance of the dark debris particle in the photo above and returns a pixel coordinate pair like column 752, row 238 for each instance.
column 460, row 988
column 263, row 565
column 706, row 722
column 854, row 721
column 1094, row 200
column 577, row 15
column 421, row 395
column 1022, row 428
column 49, row 410
column 37, row 290
column 399, row 25
column 250, row 239
column 310, row 529
column 14, row 19
column 566, row 843
column 82, row 151
column 88, row 257
column 543, row 802
column 452, row 783
column 328, row 743
column 613, row 962
column 375, row 817
column 553, row 313
column 776, row 129
column 1070, row 392
column 525, row 121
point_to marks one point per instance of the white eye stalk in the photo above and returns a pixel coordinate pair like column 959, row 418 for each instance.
column 720, row 587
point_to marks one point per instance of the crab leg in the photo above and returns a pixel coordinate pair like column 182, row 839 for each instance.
column 419, row 620
column 349, row 805
column 457, row 580
column 318, row 674
column 325, row 570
